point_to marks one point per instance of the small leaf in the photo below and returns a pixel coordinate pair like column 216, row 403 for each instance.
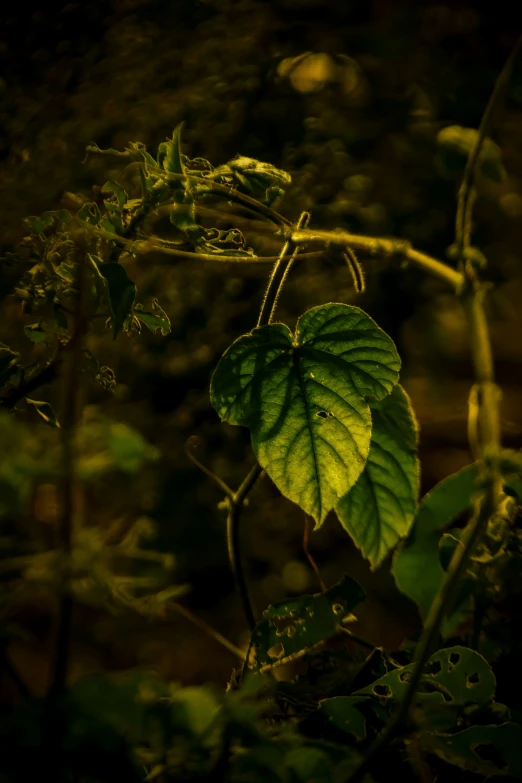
column 305, row 399
column 157, row 319
column 119, row 193
column 122, row 293
column 342, row 712
column 484, row 750
column 291, row 627
column 379, row 509
column 45, row 411
column 416, row 567
column 36, row 334
column 89, row 213
column 456, row 144
column 8, row 363
column 169, row 153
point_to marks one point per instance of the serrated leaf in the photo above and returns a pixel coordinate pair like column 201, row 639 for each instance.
column 157, row 319
column 122, row 293
column 8, row 363
column 484, row 750
column 291, row 627
column 305, row 399
column 45, row 411
column 379, row 509
column 416, row 567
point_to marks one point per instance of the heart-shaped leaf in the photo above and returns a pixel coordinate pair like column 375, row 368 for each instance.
column 305, row 399
column 379, row 509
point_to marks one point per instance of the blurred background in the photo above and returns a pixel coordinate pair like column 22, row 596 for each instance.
column 346, row 96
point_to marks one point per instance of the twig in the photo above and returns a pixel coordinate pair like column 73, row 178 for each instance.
column 207, row 629
column 215, row 478
column 466, row 194
column 309, row 554
column 15, row 677
column 374, row 246
column 234, row 513
column 44, row 377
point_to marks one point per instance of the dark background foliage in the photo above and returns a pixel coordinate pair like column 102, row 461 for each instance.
column 355, row 123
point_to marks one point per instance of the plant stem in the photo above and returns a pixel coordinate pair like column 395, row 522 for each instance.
column 208, row 629
column 466, row 192
column 234, row 513
column 71, row 412
column 374, row 245
column 279, row 274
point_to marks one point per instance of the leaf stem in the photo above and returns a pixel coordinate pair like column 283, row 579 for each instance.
column 279, row 274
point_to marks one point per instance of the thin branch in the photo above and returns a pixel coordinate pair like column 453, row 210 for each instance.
column 207, row 629
column 374, row 246
column 15, row 677
column 234, row 513
column 231, row 193
column 466, row 195
column 24, row 389
column 215, row 478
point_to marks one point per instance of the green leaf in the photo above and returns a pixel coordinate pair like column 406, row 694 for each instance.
column 122, row 293
column 305, row 399
column 379, row 509
column 120, row 196
column 89, row 213
column 342, row 712
column 45, row 411
column 157, row 319
column 453, row 677
column 416, row 567
column 484, row 750
column 38, row 225
column 128, row 447
column 8, row 363
column 291, row 627
column 36, row 334
column 169, row 153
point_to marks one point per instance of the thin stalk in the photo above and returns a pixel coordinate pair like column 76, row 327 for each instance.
column 218, row 637
column 71, row 412
column 279, row 274
column 466, row 196
column 374, row 246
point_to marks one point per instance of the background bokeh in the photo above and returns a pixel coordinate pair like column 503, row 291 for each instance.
column 346, row 96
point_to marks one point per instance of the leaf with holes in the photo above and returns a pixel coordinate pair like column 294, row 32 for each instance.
column 379, row 509
column 417, row 568
column 290, row 628
column 122, row 293
column 484, row 750
column 305, row 399
column 454, row 677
